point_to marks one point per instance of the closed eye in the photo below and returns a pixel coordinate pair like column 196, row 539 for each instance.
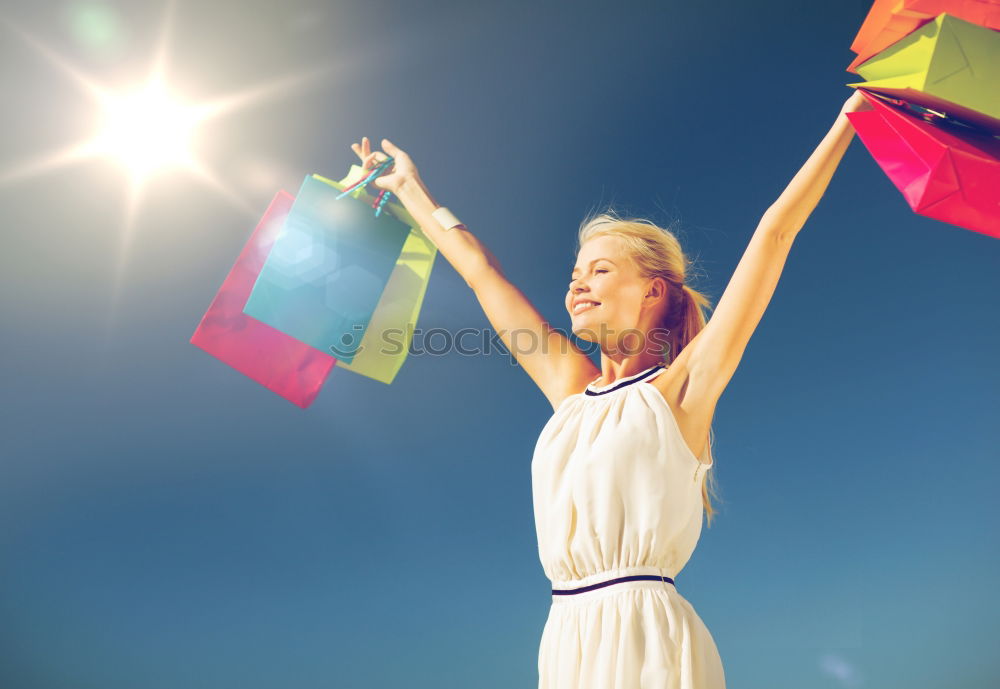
column 599, row 270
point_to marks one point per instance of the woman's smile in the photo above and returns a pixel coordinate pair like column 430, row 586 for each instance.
column 584, row 306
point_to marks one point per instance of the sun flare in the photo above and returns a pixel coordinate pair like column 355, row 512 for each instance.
column 147, row 130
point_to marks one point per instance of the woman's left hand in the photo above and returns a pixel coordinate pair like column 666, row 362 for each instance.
column 856, row 103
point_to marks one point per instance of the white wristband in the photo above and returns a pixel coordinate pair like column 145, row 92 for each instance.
column 446, row 218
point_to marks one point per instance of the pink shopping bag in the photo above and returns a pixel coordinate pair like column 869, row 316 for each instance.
column 950, row 174
column 277, row 361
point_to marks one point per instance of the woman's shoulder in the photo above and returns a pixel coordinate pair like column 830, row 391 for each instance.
column 573, row 384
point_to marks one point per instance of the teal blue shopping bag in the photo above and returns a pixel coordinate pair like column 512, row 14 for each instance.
column 327, row 269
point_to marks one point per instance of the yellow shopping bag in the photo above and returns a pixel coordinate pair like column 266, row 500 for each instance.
column 949, row 65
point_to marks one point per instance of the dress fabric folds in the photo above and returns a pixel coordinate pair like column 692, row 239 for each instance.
column 616, row 493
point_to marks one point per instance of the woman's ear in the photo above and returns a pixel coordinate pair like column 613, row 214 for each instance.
column 657, row 289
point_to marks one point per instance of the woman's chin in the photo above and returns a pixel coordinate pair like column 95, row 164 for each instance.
column 585, row 329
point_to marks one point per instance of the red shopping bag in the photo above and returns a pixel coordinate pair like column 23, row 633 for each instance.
column 949, row 173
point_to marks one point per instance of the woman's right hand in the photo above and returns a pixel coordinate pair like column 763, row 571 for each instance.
column 402, row 171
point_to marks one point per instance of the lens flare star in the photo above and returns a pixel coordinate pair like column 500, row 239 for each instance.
column 148, row 129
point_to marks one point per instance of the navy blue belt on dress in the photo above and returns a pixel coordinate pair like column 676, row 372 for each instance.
column 634, row 577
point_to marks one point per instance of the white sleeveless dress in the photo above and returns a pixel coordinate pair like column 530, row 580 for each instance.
column 617, row 492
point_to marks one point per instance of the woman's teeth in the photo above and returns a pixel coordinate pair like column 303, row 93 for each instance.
column 583, row 306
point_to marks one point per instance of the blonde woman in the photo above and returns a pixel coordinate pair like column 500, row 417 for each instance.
column 620, row 471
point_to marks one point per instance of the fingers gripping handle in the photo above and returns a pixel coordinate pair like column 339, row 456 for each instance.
column 384, row 194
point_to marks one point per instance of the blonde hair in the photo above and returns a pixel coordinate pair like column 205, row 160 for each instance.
column 657, row 253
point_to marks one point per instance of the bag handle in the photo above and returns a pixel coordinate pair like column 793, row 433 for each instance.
column 383, row 195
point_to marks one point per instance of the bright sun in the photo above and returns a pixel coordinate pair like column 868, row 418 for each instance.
column 147, row 130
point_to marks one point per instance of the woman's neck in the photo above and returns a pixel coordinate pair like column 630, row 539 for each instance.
column 612, row 371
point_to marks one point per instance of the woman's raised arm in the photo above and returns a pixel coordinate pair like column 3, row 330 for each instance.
column 714, row 353
column 462, row 249
column 550, row 359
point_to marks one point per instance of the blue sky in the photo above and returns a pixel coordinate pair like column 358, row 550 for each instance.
column 168, row 522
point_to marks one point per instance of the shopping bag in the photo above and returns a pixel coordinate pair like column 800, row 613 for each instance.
column 948, row 64
column 327, row 270
column 386, row 342
column 274, row 359
column 951, row 174
column 890, row 20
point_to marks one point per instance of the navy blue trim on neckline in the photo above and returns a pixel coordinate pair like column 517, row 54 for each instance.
column 638, row 377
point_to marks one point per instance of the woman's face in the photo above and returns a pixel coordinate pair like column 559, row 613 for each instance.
column 606, row 276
